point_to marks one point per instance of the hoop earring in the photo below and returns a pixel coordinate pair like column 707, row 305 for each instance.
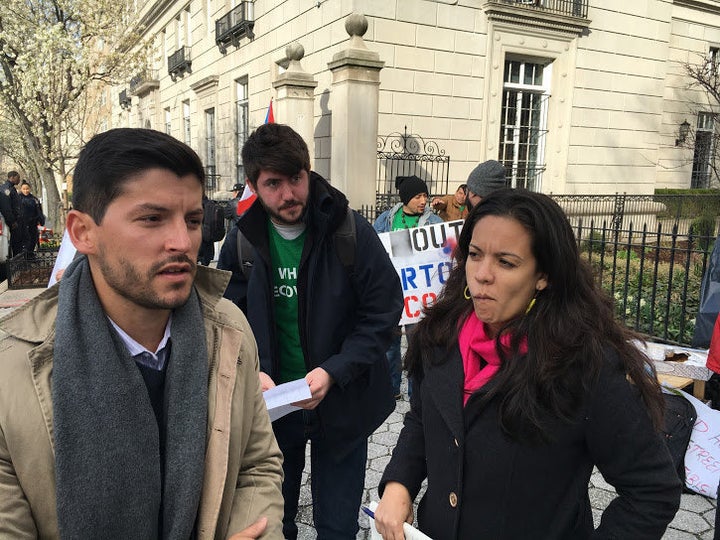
column 532, row 302
column 466, row 293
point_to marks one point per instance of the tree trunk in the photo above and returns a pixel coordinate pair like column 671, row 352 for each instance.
column 54, row 208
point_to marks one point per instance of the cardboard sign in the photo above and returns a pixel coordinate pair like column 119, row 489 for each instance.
column 702, row 458
column 423, row 259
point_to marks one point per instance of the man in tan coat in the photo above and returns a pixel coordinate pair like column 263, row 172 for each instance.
column 130, row 405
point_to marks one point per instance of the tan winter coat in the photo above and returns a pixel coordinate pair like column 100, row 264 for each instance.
column 243, row 465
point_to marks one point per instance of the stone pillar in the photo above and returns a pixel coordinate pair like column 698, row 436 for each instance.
column 354, row 98
column 295, row 97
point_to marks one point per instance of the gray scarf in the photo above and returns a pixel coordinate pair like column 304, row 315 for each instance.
column 107, row 454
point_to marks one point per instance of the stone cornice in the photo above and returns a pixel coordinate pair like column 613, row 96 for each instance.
column 205, row 84
column 709, row 6
column 153, row 14
column 522, row 16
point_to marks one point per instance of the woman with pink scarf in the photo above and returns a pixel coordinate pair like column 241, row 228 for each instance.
column 525, row 382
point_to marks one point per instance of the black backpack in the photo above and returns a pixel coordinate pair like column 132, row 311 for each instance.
column 344, row 238
column 213, row 228
column 678, row 423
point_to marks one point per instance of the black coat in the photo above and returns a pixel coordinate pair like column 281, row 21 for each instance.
column 31, row 212
column 9, row 203
column 503, row 489
column 345, row 321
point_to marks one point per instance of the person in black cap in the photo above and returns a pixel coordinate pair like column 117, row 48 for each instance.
column 232, row 205
column 412, row 211
column 483, row 180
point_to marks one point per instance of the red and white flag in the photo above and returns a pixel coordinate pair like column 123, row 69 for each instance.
column 248, row 197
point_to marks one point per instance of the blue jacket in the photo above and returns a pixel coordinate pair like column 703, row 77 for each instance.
column 346, row 318
column 384, row 221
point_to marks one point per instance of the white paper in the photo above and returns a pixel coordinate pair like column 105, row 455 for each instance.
column 702, row 457
column 278, row 399
column 65, row 255
column 411, row 533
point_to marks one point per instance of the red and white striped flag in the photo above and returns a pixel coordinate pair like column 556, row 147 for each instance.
column 248, row 197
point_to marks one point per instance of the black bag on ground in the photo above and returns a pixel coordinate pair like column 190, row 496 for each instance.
column 679, row 420
column 213, row 228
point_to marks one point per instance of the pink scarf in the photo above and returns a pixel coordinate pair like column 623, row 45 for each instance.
column 481, row 360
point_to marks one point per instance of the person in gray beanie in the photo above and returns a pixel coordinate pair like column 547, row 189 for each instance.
column 483, row 180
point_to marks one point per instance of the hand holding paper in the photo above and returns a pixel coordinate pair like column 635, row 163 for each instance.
column 278, row 399
column 410, row 532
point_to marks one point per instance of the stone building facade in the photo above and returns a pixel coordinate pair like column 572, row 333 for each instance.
column 574, row 96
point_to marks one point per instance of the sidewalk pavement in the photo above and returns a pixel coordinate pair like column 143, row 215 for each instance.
column 694, row 520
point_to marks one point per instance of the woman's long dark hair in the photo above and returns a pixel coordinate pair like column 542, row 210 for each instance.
column 569, row 330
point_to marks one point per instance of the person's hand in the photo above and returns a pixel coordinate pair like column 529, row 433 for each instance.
column 252, row 532
column 436, row 201
column 266, row 381
column 319, row 382
column 394, row 509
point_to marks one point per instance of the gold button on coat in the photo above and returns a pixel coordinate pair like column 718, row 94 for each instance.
column 453, row 499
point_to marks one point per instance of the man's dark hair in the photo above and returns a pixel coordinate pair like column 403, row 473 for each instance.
column 274, row 147
column 12, row 174
column 112, row 158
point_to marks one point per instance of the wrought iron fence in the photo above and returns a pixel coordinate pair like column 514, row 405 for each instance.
column 575, row 8
column 404, row 154
column 212, row 179
column 653, row 275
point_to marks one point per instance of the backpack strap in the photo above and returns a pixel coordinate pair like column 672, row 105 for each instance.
column 345, row 240
column 245, row 254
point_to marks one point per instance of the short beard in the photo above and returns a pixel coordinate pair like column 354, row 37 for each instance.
column 143, row 297
column 277, row 218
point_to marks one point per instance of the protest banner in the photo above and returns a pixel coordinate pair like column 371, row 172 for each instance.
column 423, row 259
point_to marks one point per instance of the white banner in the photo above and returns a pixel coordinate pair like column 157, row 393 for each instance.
column 423, row 259
column 702, row 458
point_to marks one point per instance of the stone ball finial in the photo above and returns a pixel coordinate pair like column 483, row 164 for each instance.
column 356, row 24
column 294, row 51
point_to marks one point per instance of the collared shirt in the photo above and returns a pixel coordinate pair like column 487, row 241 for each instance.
column 141, row 355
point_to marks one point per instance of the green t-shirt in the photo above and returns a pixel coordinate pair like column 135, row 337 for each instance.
column 285, row 257
column 401, row 220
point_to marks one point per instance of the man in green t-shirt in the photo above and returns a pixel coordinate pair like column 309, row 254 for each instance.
column 315, row 317
column 412, row 211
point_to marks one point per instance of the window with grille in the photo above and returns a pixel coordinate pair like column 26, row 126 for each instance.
column 523, row 127
column 210, row 166
column 241, row 125
column 704, row 149
column 186, row 122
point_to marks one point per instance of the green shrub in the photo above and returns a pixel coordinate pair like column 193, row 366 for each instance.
column 646, row 301
column 703, row 229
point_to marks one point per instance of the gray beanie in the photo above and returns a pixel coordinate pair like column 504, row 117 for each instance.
column 486, row 178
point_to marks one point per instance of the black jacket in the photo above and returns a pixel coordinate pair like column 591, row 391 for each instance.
column 504, row 489
column 9, row 203
column 31, row 213
column 345, row 321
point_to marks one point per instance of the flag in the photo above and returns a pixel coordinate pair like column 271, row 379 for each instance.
column 248, row 197
column 270, row 117
column 245, row 202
